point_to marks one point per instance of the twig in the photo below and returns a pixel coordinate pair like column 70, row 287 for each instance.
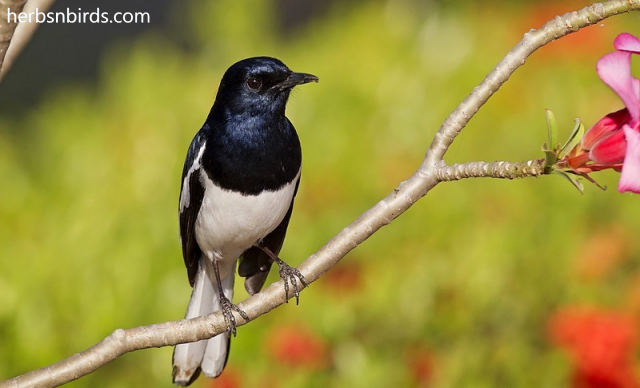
column 6, row 26
column 23, row 33
column 501, row 170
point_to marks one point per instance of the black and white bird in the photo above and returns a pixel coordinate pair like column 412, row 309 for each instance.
column 238, row 184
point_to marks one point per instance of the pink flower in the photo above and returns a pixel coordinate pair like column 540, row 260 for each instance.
column 605, row 143
column 614, row 141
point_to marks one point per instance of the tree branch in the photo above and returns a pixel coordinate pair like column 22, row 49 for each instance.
column 430, row 173
column 7, row 28
column 502, row 170
column 23, row 33
column 533, row 40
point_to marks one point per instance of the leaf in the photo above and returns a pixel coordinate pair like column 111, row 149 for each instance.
column 550, row 159
column 574, row 181
column 574, row 138
column 552, row 129
column 587, row 177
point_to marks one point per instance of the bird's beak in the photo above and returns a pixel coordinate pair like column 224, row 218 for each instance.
column 296, row 79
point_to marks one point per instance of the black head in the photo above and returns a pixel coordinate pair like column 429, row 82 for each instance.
column 257, row 86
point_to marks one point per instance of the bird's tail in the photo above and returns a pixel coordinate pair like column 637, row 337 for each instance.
column 210, row 355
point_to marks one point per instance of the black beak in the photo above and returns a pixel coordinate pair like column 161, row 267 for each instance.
column 296, row 79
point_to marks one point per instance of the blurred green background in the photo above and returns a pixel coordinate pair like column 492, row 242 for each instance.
column 458, row 291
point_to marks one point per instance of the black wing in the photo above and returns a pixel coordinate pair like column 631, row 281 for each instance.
column 193, row 191
column 255, row 264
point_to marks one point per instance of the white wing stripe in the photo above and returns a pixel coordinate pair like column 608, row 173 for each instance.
column 185, row 196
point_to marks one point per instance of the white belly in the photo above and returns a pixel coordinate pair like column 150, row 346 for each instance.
column 229, row 223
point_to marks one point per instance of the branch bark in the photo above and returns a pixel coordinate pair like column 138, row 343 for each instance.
column 6, row 26
column 432, row 171
column 502, row 170
column 23, row 32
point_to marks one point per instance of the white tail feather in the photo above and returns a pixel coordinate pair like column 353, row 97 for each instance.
column 215, row 355
column 209, row 355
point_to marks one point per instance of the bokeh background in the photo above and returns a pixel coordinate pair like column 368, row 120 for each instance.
column 482, row 283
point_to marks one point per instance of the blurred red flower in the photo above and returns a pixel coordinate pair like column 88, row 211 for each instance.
column 601, row 344
column 603, row 252
column 344, row 278
column 297, row 346
column 230, row 378
column 420, row 364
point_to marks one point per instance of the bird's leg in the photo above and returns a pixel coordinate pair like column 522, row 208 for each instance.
column 287, row 273
column 226, row 305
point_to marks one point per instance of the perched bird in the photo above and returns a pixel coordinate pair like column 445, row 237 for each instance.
column 238, row 184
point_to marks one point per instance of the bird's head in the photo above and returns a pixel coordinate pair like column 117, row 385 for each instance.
column 259, row 85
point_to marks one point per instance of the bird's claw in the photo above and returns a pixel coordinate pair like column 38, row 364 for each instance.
column 227, row 311
column 289, row 274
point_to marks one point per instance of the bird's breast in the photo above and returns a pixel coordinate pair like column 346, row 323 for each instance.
column 230, row 222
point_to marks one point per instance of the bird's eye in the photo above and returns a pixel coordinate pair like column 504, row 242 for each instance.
column 254, row 83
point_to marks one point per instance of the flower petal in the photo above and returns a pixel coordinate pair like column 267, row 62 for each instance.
column 605, row 127
column 630, row 177
column 627, row 42
column 610, row 150
column 615, row 70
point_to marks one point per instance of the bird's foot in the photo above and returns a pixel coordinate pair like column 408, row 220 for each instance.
column 227, row 311
column 289, row 274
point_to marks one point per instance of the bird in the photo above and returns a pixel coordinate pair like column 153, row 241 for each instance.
column 239, row 181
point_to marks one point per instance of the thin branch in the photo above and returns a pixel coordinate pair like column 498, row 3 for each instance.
column 7, row 25
column 23, row 34
column 533, row 40
column 501, row 170
column 431, row 172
